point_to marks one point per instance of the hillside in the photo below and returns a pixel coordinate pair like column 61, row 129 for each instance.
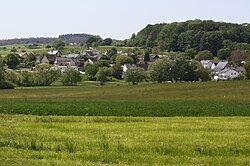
column 197, row 34
column 67, row 38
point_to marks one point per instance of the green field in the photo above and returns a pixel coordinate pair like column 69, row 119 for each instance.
column 181, row 99
column 50, row 140
column 116, row 124
column 5, row 50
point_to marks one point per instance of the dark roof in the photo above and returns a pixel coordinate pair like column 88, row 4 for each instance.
column 50, row 57
column 144, row 66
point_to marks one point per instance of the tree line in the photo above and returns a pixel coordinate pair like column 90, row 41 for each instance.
column 195, row 34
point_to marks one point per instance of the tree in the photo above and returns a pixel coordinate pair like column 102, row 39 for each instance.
column 93, row 41
column 134, row 75
column 146, row 57
column 30, row 60
column 4, row 84
column 237, row 56
column 45, row 75
column 190, row 52
column 102, row 74
column 117, row 71
column 204, row 55
column 107, row 42
column 124, row 59
column 71, row 77
column 12, row 61
column 247, row 67
column 91, row 70
column 58, row 44
column 160, row 70
column 14, row 50
column 223, row 53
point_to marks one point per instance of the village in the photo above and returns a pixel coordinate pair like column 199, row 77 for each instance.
column 220, row 69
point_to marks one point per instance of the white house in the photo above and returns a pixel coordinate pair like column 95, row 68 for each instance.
column 209, row 64
column 55, row 52
column 226, row 74
column 127, row 66
column 64, row 68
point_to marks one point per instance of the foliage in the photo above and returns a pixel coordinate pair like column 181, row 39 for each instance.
column 135, row 75
column 197, row 34
column 247, row 67
column 124, row 59
column 204, row 55
column 237, row 56
column 117, row 71
column 44, row 75
column 107, row 42
column 160, row 70
column 12, row 61
column 223, row 53
column 102, row 74
column 111, row 52
column 91, row 70
column 190, row 53
column 58, row 44
column 146, row 57
column 94, row 41
column 70, row 77
column 177, row 69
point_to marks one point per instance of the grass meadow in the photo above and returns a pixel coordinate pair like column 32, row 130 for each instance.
column 116, row 124
column 181, row 99
column 59, row 140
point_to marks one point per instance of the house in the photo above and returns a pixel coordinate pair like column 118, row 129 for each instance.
column 50, row 59
column 144, row 66
column 60, row 61
column 93, row 54
column 22, row 55
column 240, row 69
column 71, row 56
column 55, row 53
column 125, row 67
column 226, row 74
column 209, row 64
column 38, row 59
column 220, row 66
column 64, row 68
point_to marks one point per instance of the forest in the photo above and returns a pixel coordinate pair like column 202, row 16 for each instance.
column 194, row 34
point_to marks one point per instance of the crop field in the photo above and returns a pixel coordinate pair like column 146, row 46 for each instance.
column 116, row 124
column 181, row 99
column 55, row 140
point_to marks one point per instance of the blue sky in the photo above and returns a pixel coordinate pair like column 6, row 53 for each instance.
column 109, row 18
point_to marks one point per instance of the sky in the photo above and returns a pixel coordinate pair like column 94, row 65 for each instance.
column 117, row 19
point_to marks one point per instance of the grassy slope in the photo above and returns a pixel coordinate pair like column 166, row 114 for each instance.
column 42, row 50
column 33, row 140
column 181, row 99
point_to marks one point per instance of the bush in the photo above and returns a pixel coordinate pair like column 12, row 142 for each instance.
column 71, row 77
column 6, row 85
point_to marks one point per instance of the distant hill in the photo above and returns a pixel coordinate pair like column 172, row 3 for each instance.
column 42, row 40
column 75, row 38
column 197, row 34
column 68, row 38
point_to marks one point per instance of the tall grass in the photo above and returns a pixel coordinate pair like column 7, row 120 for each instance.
column 49, row 140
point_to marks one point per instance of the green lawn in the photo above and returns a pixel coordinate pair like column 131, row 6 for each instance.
column 230, row 98
column 56, row 140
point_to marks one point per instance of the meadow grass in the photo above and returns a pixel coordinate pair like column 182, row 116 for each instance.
column 57, row 140
column 182, row 99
